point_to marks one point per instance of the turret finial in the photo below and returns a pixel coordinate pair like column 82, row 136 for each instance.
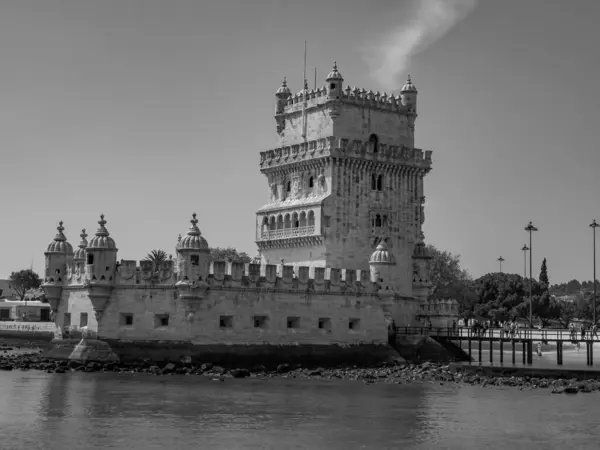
column 60, row 235
column 194, row 230
column 408, row 80
column 102, row 231
column 83, row 236
column 284, row 82
column 335, row 65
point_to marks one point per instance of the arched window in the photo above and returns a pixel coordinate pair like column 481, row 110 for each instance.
column 279, row 222
column 380, row 183
column 288, row 186
column 273, row 224
column 373, row 182
column 311, row 218
column 302, row 219
column 287, row 223
column 311, row 182
column 377, row 220
column 265, row 221
column 295, row 221
column 374, row 143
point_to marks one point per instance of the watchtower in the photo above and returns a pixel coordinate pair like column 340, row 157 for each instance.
column 344, row 176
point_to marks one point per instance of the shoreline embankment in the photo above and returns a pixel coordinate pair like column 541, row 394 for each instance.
column 22, row 354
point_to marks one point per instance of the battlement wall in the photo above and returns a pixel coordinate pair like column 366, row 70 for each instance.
column 344, row 147
column 351, row 95
column 232, row 275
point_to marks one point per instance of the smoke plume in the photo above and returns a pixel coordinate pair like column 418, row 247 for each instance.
column 389, row 60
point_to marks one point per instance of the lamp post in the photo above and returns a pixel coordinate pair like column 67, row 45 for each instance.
column 594, row 225
column 525, row 248
column 500, row 260
column 530, row 228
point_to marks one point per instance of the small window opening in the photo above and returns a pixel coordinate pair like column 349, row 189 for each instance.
column 195, row 260
column 377, row 220
column 380, row 183
column 288, row 186
column 83, row 320
column 293, row 322
column 373, row 182
column 126, row 319
column 260, row 321
column 374, row 143
column 57, row 271
column 226, row 322
column 161, row 320
column 311, row 182
column 90, row 259
column 332, row 86
column 325, row 324
column 354, row 324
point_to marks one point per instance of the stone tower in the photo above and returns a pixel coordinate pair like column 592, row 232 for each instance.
column 345, row 176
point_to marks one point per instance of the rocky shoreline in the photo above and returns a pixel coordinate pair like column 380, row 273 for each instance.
column 19, row 358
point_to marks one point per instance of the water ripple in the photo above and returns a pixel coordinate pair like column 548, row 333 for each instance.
column 113, row 411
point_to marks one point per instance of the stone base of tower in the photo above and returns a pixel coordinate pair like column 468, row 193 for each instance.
column 235, row 355
column 85, row 350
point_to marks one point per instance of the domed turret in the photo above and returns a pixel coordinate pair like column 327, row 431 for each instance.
column 335, row 83
column 382, row 255
column 193, row 240
column 60, row 244
column 282, row 95
column 58, row 253
column 101, row 255
column 421, row 261
column 408, row 94
column 193, row 255
column 102, row 239
column 383, row 266
column 79, row 254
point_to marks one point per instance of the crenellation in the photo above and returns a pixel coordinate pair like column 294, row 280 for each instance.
column 344, row 147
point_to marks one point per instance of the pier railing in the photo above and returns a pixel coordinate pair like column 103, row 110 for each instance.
column 499, row 333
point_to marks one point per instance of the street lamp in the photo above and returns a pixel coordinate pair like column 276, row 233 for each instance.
column 594, row 225
column 500, row 260
column 525, row 248
column 530, row 228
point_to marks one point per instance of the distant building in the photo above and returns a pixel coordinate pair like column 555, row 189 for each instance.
column 6, row 290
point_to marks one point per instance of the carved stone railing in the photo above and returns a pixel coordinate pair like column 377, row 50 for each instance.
column 284, row 233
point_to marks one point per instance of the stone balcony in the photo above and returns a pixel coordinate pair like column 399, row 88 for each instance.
column 286, row 233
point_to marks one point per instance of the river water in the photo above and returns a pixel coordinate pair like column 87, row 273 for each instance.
column 139, row 412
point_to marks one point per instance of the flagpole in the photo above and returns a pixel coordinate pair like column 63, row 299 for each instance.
column 304, row 95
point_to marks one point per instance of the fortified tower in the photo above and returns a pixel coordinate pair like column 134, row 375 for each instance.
column 344, row 177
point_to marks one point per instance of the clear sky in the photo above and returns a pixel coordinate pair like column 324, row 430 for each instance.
column 150, row 110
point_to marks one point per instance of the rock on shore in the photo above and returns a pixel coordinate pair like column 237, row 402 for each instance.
column 13, row 359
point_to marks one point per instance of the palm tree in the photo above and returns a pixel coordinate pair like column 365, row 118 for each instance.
column 156, row 256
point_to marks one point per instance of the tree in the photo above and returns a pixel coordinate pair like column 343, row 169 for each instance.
column 445, row 268
column 544, row 281
column 24, row 280
column 229, row 254
column 156, row 256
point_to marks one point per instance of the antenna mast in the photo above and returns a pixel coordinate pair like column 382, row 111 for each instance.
column 315, row 78
column 304, row 95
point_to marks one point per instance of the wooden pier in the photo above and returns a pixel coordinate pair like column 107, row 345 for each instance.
column 520, row 343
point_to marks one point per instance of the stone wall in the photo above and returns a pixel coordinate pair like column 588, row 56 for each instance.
column 360, row 121
column 242, row 316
